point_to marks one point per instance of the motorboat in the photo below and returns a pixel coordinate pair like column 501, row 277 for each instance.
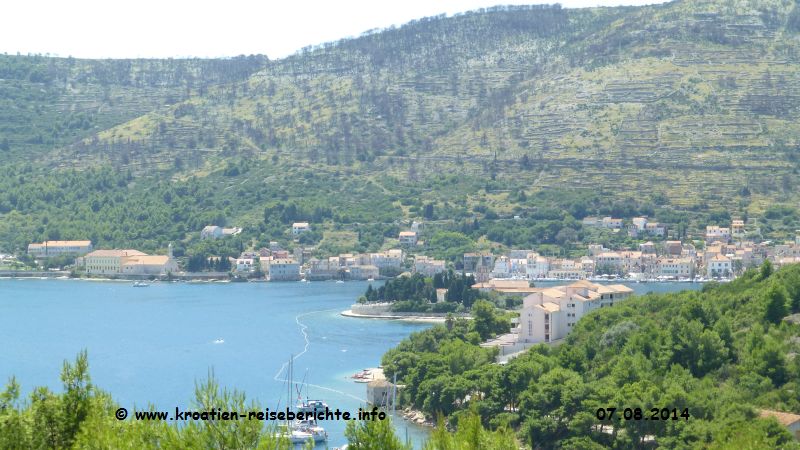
column 310, row 427
column 140, row 284
column 314, row 406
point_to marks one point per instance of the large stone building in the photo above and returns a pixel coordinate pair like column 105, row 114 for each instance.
column 283, row 269
column 128, row 262
column 551, row 313
column 675, row 267
column 49, row 249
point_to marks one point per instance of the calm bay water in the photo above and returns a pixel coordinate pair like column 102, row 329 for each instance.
column 150, row 345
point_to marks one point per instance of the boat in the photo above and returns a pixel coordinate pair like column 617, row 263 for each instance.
column 314, row 406
column 339, row 281
column 219, row 341
column 302, row 431
column 140, row 284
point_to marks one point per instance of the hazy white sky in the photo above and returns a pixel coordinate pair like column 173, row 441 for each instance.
column 203, row 28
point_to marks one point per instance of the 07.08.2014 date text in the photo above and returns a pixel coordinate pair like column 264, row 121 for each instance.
column 639, row 414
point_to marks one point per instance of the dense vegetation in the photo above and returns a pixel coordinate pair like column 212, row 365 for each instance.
column 720, row 354
column 83, row 417
column 684, row 111
column 418, row 293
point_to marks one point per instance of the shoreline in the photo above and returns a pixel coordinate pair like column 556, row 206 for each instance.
column 422, row 319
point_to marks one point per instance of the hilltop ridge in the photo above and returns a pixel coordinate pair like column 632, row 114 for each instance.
column 688, row 105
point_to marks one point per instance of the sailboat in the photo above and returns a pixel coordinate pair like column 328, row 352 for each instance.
column 301, row 431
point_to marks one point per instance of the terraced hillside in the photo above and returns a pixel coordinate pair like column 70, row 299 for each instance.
column 46, row 103
column 690, row 106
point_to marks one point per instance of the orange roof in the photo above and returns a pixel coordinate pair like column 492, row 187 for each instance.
column 115, row 253
column 150, row 260
column 64, row 243
column 785, row 419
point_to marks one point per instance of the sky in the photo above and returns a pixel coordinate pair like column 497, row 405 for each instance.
column 203, row 28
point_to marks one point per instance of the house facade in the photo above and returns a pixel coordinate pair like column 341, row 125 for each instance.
column 408, row 238
column 283, row 269
column 551, row 313
column 300, row 228
column 49, row 249
column 128, row 262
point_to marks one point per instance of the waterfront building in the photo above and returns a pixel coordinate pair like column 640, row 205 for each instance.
column 551, row 313
column 537, row 266
column 244, row 265
column 128, row 262
column 720, row 266
column 675, row 267
column 566, row 269
column 149, row 265
column 379, row 393
column 283, row 269
column 322, row 269
column 362, row 272
column 390, row 258
column 49, row 249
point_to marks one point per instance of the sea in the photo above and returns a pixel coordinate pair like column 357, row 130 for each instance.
column 152, row 345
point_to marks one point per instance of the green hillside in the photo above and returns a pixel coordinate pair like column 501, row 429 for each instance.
column 685, row 111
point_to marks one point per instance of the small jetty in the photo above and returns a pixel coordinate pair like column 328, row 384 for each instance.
column 367, row 375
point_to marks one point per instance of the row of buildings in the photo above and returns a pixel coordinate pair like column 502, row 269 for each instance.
column 669, row 259
column 107, row 262
column 277, row 264
column 638, row 226
column 643, row 226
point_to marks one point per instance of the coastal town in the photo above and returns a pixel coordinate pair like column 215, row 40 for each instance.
column 722, row 254
column 421, row 226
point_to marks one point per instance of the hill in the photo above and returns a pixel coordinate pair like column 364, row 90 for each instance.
column 717, row 357
column 686, row 111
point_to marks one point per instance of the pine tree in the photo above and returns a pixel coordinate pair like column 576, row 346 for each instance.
column 776, row 304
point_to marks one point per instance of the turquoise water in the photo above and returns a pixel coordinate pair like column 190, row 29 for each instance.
column 150, row 345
